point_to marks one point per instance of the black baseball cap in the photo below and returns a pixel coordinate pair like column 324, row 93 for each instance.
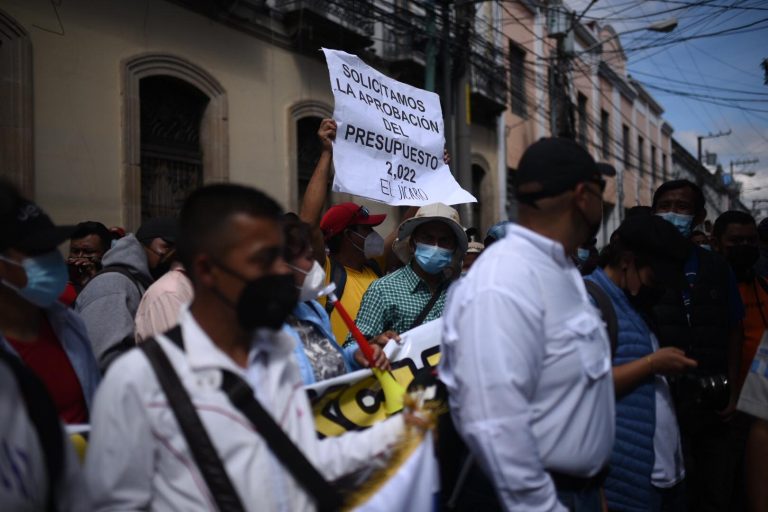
column 166, row 228
column 556, row 164
column 658, row 243
column 26, row 228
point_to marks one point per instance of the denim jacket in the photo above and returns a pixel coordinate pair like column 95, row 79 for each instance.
column 313, row 312
column 70, row 330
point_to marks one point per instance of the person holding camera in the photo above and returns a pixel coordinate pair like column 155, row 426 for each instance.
column 646, row 467
column 705, row 320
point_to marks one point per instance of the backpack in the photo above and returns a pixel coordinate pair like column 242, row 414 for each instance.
column 339, row 278
column 607, row 311
column 141, row 282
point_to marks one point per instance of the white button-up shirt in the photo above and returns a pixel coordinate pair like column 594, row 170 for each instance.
column 138, row 459
column 526, row 361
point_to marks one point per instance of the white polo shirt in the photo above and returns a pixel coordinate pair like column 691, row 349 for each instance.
column 138, row 459
column 526, row 360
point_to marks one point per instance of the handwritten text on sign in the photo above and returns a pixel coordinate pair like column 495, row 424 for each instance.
column 389, row 144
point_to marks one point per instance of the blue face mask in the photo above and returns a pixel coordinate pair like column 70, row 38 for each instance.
column 682, row 222
column 46, row 278
column 706, row 246
column 432, row 259
column 582, row 254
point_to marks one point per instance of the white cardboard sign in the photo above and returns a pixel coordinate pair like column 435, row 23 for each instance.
column 390, row 138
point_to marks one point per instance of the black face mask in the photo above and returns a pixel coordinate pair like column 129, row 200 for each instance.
column 646, row 297
column 742, row 258
column 161, row 268
column 265, row 301
column 594, row 228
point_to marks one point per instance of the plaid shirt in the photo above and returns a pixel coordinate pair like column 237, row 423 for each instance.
column 393, row 303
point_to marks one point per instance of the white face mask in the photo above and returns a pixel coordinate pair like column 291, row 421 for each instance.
column 373, row 246
column 314, row 282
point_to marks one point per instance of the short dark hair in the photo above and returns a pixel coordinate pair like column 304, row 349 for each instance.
column 298, row 237
column 206, row 212
column 699, row 202
column 637, row 210
column 90, row 227
column 731, row 217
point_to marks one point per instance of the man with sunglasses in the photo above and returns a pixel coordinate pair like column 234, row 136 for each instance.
column 109, row 301
column 525, row 357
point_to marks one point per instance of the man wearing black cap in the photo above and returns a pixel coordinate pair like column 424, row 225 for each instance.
column 47, row 336
column 47, row 370
column 525, row 357
column 109, row 301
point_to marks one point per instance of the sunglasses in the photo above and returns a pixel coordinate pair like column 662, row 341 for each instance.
column 600, row 182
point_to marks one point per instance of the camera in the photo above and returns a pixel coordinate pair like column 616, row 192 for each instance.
column 708, row 391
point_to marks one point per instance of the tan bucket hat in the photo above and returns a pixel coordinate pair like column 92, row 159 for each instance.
column 434, row 212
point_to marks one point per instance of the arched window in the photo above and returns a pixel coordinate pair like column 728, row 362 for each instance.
column 305, row 147
column 16, row 149
column 176, row 137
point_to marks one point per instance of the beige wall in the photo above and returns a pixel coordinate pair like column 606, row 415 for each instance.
column 78, row 123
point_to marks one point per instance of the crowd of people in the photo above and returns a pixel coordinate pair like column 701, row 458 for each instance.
column 578, row 379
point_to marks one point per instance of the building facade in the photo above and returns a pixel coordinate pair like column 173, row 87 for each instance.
column 116, row 110
column 610, row 114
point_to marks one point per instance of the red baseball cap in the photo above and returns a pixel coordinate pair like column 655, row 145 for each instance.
column 340, row 216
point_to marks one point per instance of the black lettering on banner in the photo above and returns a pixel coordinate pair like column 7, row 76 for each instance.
column 394, row 147
column 358, row 405
column 386, row 186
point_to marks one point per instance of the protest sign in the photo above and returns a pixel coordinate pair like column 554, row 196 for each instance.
column 355, row 401
column 390, row 139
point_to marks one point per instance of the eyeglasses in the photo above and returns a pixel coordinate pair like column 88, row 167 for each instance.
column 600, row 182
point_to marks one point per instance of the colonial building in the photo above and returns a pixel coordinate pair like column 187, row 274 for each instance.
column 613, row 116
column 115, row 110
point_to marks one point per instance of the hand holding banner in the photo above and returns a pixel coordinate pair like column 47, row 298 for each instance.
column 390, row 139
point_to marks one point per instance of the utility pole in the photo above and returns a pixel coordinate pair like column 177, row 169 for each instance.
column 559, row 27
column 464, row 17
column 743, row 162
column 431, row 50
column 447, row 76
column 710, row 136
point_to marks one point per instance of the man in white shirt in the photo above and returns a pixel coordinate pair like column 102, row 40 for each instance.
column 525, row 356
column 231, row 245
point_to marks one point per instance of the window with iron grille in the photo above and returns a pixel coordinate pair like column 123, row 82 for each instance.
column 605, row 133
column 583, row 119
column 640, row 155
column 625, row 145
column 517, row 76
column 171, row 153
column 308, row 149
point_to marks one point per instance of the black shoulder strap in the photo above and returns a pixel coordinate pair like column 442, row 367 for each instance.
column 429, row 305
column 241, row 395
column 374, row 265
column 141, row 282
column 339, row 278
column 607, row 311
column 207, row 459
column 42, row 413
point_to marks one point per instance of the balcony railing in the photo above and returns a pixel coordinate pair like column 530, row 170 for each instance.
column 338, row 22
